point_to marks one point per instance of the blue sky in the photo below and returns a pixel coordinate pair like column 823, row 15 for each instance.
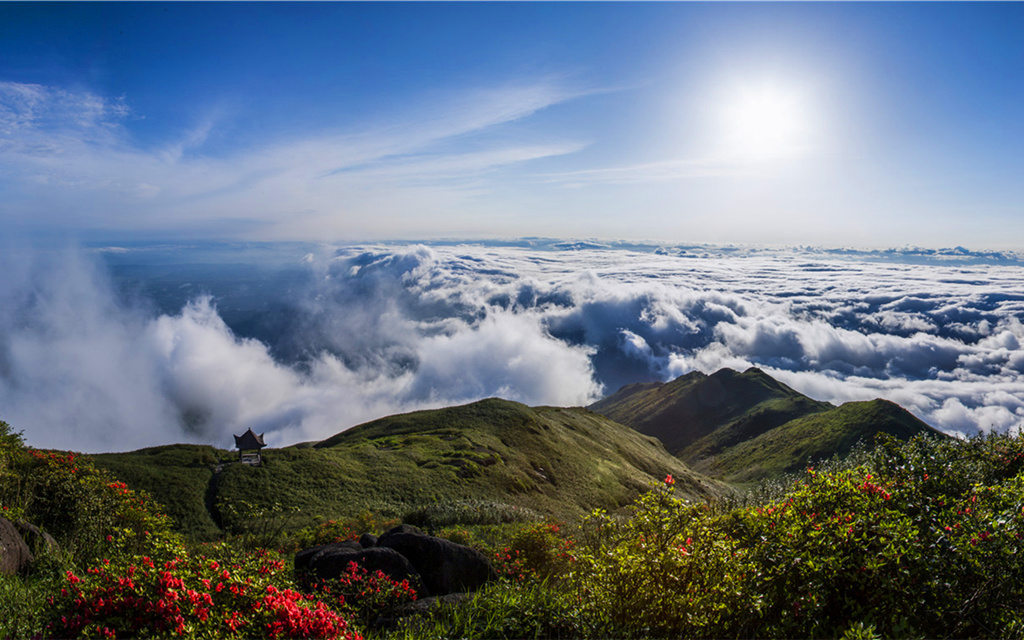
column 876, row 124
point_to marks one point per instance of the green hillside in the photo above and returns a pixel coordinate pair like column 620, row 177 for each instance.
column 789, row 447
column 556, row 461
column 728, row 407
column 742, row 427
column 179, row 476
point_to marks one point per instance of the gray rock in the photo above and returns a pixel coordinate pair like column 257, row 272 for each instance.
column 444, row 566
column 305, row 558
column 402, row 528
column 368, row 540
column 15, row 556
column 38, row 541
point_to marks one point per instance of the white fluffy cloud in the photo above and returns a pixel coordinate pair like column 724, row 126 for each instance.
column 381, row 330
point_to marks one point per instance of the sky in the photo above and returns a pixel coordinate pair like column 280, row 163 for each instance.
column 836, row 124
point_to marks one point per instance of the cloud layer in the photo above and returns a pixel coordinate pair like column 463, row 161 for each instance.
column 377, row 330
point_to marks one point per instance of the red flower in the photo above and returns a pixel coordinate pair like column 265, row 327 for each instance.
column 669, row 480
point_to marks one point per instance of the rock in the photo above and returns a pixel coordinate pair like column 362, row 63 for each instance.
column 15, row 556
column 37, row 541
column 368, row 540
column 304, row 558
column 332, row 563
column 444, row 566
column 402, row 528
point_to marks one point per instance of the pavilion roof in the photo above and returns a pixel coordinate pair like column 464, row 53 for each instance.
column 249, row 440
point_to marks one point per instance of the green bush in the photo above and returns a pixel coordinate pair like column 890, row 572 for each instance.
column 85, row 508
column 918, row 539
column 13, row 459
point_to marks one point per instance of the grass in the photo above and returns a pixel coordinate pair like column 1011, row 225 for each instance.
column 22, row 604
column 554, row 462
column 807, row 440
column 180, row 477
column 498, row 610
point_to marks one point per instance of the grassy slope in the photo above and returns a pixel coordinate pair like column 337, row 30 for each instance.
column 561, row 462
column 791, row 446
column 178, row 476
column 715, row 411
column 743, row 427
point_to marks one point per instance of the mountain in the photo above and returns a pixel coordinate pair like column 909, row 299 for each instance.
column 817, row 436
column 742, row 427
column 555, row 461
column 722, row 409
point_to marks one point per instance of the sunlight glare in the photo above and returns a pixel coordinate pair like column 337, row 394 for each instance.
column 766, row 122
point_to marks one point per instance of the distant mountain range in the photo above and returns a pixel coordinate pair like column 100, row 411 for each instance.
column 744, row 427
column 708, row 432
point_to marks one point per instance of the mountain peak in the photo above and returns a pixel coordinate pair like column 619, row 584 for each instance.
column 710, row 420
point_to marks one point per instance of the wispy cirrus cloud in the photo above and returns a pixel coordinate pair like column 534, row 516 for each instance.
column 69, row 158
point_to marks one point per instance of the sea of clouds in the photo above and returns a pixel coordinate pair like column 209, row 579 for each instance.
column 380, row 329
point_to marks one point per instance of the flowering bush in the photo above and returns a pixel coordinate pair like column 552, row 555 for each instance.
column 538, row 551
column 364, row 595
column 84, row 508
column 197, row 596
column 911, row 539
column 662, row 571
column 330, row 531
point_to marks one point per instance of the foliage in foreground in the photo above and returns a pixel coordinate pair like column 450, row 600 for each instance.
column 916, row 539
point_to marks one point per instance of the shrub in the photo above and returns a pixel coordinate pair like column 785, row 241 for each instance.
column 537, row 552
column 664, row 570
column 364, row 596
column 233, row 595
column 330, row 531
column 85, row 508
column 916, row 539
column 13, row 460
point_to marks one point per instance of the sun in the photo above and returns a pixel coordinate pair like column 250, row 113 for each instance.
column 765, row 122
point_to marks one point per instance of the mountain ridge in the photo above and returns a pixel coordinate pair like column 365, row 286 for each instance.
column 717, row 423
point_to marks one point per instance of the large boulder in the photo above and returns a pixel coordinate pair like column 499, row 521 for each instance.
column 38, row 541
column 402, row 528
column 306, row 557
column 333, row 563
column 15, row 556
column 444, row 566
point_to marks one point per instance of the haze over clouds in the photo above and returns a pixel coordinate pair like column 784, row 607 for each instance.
column 380, row 329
